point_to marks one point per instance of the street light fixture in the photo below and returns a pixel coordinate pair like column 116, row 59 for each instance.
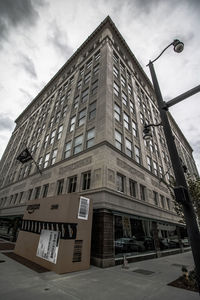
column 181, row 189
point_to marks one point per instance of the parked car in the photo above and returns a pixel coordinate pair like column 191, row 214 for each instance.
column 185, row 242
column 147, row 242
column 128, row 245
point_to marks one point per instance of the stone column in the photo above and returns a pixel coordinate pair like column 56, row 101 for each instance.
column 102, row 247
column 155, row 238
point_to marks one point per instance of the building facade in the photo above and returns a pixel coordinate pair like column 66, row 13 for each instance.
column 85, row 131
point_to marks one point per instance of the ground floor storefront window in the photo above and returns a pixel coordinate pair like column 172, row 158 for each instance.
column 134, row 235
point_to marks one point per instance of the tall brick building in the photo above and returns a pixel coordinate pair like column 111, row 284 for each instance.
column 85, row 131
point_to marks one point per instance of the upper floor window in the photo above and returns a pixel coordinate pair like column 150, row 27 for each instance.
column 72, row 184
column 37, row 192
column 90, row 138
column 45, row 190
column 92, row 111
column 85, row 95
column 120, row 183
column 123, row 81
column 115, row 71
column 81, row 117
column 137, row 155
column 88, row 64
column 94, row 87
column 115, row 58
column 155, row 197
column 86, row 180
column 60, row 129
column 46, row 160
column 97, row 55
column 96, row 69
column 67, row 149
column 128, row 148
column 116, row 89
column 133, row 186
column 72, row 123
column 53, row 158
column 118, row 140
column 60, row 184
column 142, row 192
column 117, row 112
column 87, row 77
column 126, row 121
column 78, row 144
column 124, row 99
column 52, row 137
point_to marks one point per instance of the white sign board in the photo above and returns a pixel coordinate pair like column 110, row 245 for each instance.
column 83, row 210
column 48, row 245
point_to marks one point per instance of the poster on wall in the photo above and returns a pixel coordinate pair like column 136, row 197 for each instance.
column 48, row 245
column 83, row 210
column 126, row 226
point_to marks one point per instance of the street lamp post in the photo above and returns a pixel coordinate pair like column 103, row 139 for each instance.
column 181, row 189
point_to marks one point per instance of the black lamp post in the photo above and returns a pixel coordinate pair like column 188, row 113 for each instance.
column 181, row 189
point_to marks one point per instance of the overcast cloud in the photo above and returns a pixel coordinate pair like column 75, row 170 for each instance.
column 37, row 37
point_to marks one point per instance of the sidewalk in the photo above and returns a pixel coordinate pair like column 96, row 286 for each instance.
column 116, row 283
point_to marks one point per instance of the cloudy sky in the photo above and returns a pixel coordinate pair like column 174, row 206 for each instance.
column 38, row 36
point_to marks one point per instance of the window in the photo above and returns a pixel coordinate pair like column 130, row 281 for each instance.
column 137, row 155
column 142, row 118
column 57, row 117
column 67, row 149
column 157, row 150
column 128, row 148
column 155, row 198
column 86, row 180
column 115, row 58
column 87, row 77
column 132, row 108
column 60, row 128
column 52, row 137
column 155, row 168
column 20, row 196
column 161, row 171
column 149, row 163
column 82, row 117
column 40, row 162
column 79, row 83
column 72, row 184
column 134, row 127
column 133, row 186
column 124, row 99
column 168, row 203
column 96, row 69
column 123, row 81
column 15, row 198
column 120, row 183
column 122, row 67
column 85, row 95
column 72, row 124
column 92, row 111
column 94, row 87
column 46, row 160
column 117, row 112
column 162, row 200
column 118, row 140
column 53, row 159
column 37, row 192
column 116, row 89
column 81, row 71
column 78, row 144
column 126, row 121
column 30, row 194
column 64, row 111
column 115, row 71
column 76, row 99
column 151, row 146
column 130, row 91
column 97, row 55
column 88, row 64
column 142, row 192
column 90, row 138
column 45, row 190
column 60, row 184
column 68, row 94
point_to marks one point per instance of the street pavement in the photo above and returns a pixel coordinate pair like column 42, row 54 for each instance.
column 18, row 282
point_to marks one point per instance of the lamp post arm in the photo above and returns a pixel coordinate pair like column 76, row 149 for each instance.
column 182, row 97
column 160, row 54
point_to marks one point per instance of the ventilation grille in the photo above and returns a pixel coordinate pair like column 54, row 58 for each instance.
column 77, row 256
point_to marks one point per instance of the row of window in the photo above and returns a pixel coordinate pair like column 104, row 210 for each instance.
column 140, row 191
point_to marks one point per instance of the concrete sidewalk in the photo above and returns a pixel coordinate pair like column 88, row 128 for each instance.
column 20, row 282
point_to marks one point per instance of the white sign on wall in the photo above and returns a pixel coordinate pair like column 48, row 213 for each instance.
column 48, row 245
column 83, row 210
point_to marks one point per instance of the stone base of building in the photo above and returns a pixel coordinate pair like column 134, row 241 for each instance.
column 102, row 263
